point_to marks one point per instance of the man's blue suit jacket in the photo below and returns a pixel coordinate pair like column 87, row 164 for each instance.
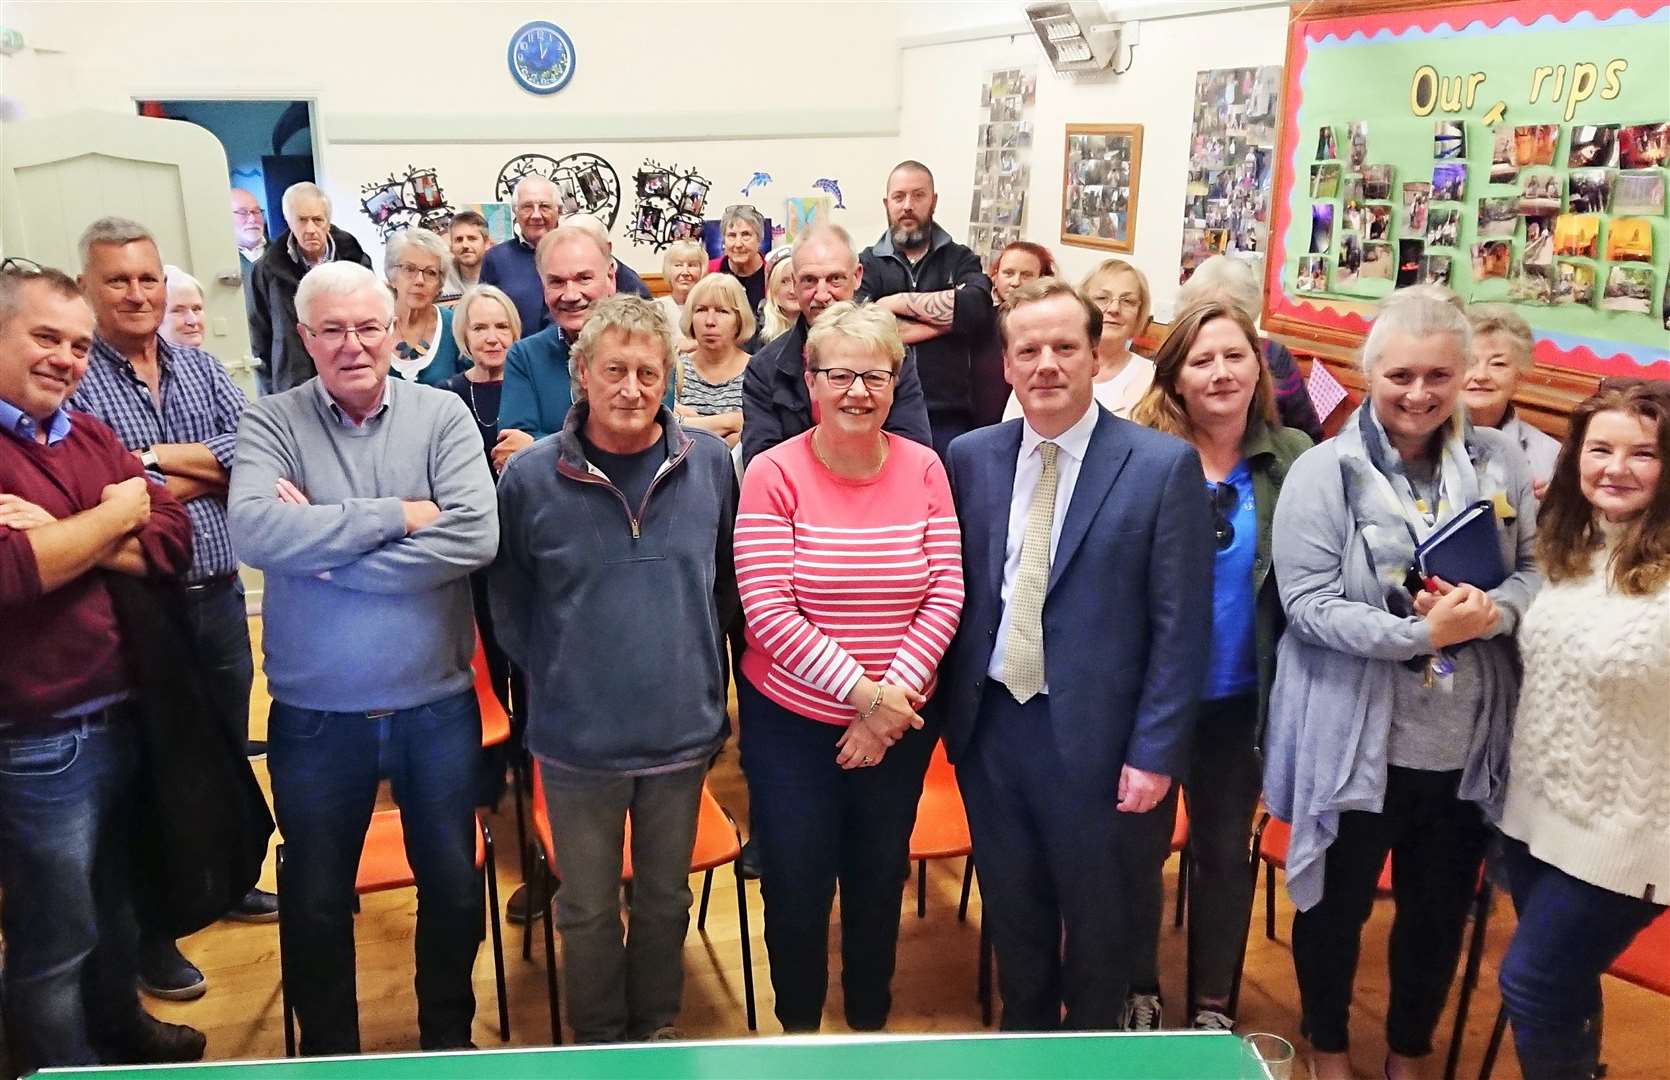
column 1128, row 613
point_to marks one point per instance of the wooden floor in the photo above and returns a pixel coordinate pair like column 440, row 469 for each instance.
column 934, row 989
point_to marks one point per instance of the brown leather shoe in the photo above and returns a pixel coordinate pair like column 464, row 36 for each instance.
column 155, row 1043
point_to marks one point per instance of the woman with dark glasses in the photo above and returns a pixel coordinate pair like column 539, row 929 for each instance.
column 1211, row 387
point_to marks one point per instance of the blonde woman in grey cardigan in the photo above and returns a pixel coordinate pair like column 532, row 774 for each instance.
column 1389, row 717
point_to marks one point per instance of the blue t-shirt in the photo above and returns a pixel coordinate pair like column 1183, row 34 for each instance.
column 1234, row 666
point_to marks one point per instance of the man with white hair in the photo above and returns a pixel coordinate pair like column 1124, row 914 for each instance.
column 281, row 360
column 627, row 281
column 511, row 266
column 366, row 502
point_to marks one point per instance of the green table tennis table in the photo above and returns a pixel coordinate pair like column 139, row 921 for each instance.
column 1178, row 1055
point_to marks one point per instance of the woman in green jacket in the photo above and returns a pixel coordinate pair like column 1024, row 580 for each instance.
column 1212, row 388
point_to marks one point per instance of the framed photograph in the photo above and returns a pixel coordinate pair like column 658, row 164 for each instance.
column 1103, row 163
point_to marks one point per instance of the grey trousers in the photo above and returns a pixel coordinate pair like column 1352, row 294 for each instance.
column 1222, row 789
column 623, row 983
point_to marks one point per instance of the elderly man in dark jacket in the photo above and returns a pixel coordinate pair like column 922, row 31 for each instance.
column 938, row 292
column 281, row 361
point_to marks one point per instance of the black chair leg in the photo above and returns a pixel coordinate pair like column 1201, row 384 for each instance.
column 490, row 876
column 1182, row 885
column 1469, row 979
column 1270, row 901
column 552, row 993
column 921, row 888
column 283, row 991
column 747, row 945
column 701, row 912
column 518, row 769
column 968, row 884
column 1494, row 1047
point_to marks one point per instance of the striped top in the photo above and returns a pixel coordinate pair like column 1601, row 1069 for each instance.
column 708, row 398
column 845, row 578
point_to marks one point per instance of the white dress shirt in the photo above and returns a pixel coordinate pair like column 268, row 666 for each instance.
column 1073, row 444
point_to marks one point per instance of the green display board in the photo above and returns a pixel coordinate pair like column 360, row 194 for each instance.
column 1520, row 146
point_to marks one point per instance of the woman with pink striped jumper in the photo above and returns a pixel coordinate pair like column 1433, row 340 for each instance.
column 849, row 563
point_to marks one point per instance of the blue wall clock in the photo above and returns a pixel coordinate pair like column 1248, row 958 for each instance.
column 541, row 57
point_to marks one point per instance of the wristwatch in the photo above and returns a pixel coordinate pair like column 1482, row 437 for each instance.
column 148, row 458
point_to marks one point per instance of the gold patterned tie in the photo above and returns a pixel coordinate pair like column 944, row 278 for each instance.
column 1023, row 653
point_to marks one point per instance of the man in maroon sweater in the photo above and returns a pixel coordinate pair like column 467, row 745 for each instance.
column 73, row 504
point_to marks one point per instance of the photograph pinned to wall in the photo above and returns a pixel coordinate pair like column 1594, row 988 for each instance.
column 1577, row 234
column 801, row 212
column 1531, row 284
column 1664, row 311
column 1534, row 144
column 1409, row 256
column 1539, row 240
column 1327, row 146
column 1350, row 262
column 1449, row 140
column 1539, row 193
column 405, row 200
column 1435, row 270
column 1593, row 145
column 1590, row 191
column 1379, row 222
column 1629, row 289
column 1231, row 153
column 1491, row 259
column 1416, row 195
column 1629, row 239
column 1644, row 146
column 1351, row 219
column 1449, row 182
column 1502, row 166
column 501, row 219
column 585, row 182
column 1574, row 283
column 1321, row 227
column 1377, row 181
column 1638, row 193
column 662, row 214
column 1351, row 191
column 1443, row 226
column 1379, row 262
column 1498, row 217
column 1313, row 273
column 1003, row 141
column 1356, row 138
column 1324, row 181
column 1102, row 165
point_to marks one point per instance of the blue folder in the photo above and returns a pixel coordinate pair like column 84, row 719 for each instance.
column 1465, row 549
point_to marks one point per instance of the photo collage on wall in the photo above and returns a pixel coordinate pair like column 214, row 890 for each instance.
column 1536, row 226
column 1002, row 161
column 1226, row 207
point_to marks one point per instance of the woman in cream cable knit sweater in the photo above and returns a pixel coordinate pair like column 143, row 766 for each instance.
column 1588, row 806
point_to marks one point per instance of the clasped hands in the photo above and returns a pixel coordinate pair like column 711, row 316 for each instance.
column 1455, row 613
column 867, row 739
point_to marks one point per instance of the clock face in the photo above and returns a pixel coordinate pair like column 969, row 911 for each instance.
column 541, row 57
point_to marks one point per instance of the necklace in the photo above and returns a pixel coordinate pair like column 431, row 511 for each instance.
column 825, row 461
column 493, row 423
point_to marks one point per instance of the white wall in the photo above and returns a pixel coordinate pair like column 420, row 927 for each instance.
column 427, row 84
column 941, row 110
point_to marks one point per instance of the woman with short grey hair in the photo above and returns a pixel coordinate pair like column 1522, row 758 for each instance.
column 1501, row 356
column 416, row 263
column 1394, row 690
column 743, row 228
column 182, row 319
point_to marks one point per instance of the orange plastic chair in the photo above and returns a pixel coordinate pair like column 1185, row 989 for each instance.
column 1270, row 841
column 941, row 830
column 1646, row 963
column 717, row 843
column 384, row 866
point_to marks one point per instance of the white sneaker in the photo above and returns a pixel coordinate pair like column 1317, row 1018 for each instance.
column 1212, row 1020
column 1142, row 1013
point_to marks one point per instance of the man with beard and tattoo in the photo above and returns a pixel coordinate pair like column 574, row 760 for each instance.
column 937, row 290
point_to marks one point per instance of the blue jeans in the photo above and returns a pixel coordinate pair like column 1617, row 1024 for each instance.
column 325, row 768
column 65, row 806
column 1569, row 933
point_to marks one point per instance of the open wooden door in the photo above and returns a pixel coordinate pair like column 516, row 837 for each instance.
column 61, row 172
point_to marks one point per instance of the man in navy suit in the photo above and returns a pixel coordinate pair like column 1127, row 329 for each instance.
column 1070, row 689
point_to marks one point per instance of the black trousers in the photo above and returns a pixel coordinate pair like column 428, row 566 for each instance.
column 829, row 825
column 1437, row 843
column 1046, row 840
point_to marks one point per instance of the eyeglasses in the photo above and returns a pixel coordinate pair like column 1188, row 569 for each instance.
column 335, row 337
column 536, row 208
column 248, row 215
column 20, row 267
column 426, row 273
column 840, row 378
column 1126, row 303
column 1225, row 497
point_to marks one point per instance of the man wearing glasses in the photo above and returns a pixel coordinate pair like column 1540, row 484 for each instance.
column 367, row 503
column 775, row 403
column 281, row 360
column 511, row 266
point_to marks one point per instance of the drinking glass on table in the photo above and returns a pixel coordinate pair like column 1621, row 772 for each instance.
column 1266, row 1057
